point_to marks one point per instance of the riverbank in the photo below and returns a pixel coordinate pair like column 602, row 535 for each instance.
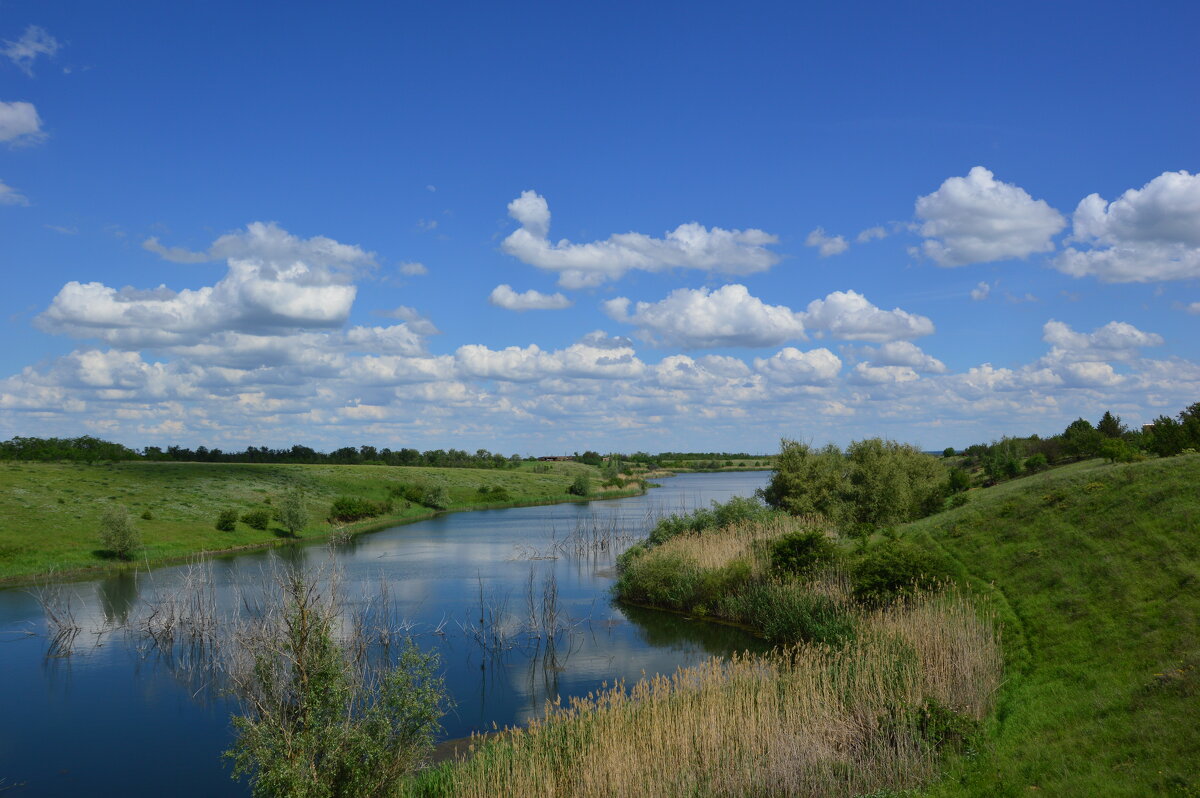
column 50, row 512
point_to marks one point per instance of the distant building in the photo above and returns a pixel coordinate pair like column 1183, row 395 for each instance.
column 557, row 458
column 1147, row 427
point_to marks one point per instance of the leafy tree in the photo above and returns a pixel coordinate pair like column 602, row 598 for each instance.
column 1110, row 426
column 1080, row 439
column 1167, row 438
column 292, row 512
column 948, row 451
column 582, row 486
column 959, row 480
column 118, row 534
column 802, row 553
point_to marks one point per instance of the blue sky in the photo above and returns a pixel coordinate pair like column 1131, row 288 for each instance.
column 237, row 224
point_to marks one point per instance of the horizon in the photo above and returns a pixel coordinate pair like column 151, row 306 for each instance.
column 631, row 226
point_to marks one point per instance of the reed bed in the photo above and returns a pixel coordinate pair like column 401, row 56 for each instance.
column 811, row 720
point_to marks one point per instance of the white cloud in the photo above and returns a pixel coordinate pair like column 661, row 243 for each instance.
column 691, row 246
column 883, row 375
column 1194, row 308
column 25, row 50
column 978, row 219
column 870, row 234
column 10, row 196
column 848, row 315
column 981, row 291
column 903, row 353
column 531, row 363
column 827, row 245
column 699, row 318
column 1116, row 340
column 1147, row 234
column 416, row 321
column 503, row 296
column 790, row 366
column 20, row 123
column 413, row 269
column 275, row 282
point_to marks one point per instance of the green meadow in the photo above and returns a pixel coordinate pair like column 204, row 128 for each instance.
column 51, row 511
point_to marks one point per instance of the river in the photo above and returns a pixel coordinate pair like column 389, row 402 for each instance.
column 110, row 717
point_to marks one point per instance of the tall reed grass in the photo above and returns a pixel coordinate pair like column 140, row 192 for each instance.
column 811, row 720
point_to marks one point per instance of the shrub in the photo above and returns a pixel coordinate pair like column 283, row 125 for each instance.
column 118, row 534
column 227, row 520
column 354, row 508
column 499, row 494
column 737, row 510
column 894, row 568
column 958, row 500
column 1036, row 462
column 147, row 515
column 582, row 486
column 788, row 613
column 258, row 518
column 802, row 553
column 664, row 580
column 293, row 515
column 436, row 497
column 959, row 480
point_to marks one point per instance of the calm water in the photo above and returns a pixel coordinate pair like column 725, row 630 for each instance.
column 110, row 719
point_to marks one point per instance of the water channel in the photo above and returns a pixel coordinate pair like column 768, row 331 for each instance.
column 108, row 718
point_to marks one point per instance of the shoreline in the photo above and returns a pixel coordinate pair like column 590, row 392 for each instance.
column 352, row 530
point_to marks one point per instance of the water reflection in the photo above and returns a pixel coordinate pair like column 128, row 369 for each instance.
column 515, row 602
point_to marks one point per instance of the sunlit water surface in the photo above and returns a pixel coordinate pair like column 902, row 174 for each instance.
column 111, row 718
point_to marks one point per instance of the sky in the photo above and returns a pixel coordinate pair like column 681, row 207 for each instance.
column 540, row 228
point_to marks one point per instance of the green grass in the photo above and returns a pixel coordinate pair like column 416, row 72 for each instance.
column 1096, row 570
column 50, row 512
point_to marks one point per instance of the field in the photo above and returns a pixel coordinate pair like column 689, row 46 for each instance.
column 50, row 512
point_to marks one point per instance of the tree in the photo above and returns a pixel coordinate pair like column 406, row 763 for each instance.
column 1110, row 426
column 1080, row 439
column 292, row 512
column 118, row 534
column 582, row 486
column 318, row 720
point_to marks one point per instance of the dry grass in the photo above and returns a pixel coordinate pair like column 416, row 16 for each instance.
column 809, row 721
column 747, row 541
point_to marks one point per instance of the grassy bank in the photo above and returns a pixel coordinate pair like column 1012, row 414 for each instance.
column 1091, row 572
column 50, row 512
column 1099, row 566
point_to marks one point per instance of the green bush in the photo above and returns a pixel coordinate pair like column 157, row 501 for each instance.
column 147, row 515
column 1037, row 462
column 258, row 518
column 893, row 568
column 802, row 553
column 354, row 508
column 227, row 520
column 582, row 486
column 737, row 510
column 675, row 582
column 960, row 479
column 788, row 613
column 436, row 497
column 118, row 535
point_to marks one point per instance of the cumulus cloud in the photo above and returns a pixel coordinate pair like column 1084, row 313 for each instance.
column 530, row 363
column 981, row 291
column 849, row 316
column 1116, row 340
column 690, row 246
column 1145, row 235
column 790, row 366
column 870, row 234
column 10, row 196
column 416, row 321
column 978, row 219
column 883, row 375
column 20, row 123
column 275, row 282
column 503, row 296
column 413, row 269
column 25, row 50
column 826, row 245
column 700, row 318
column 903, row 353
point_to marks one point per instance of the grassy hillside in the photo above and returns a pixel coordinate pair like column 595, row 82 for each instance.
column 49, row 512
column 1099, row 568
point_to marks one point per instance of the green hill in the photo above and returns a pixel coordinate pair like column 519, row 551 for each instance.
column 1096, row 571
